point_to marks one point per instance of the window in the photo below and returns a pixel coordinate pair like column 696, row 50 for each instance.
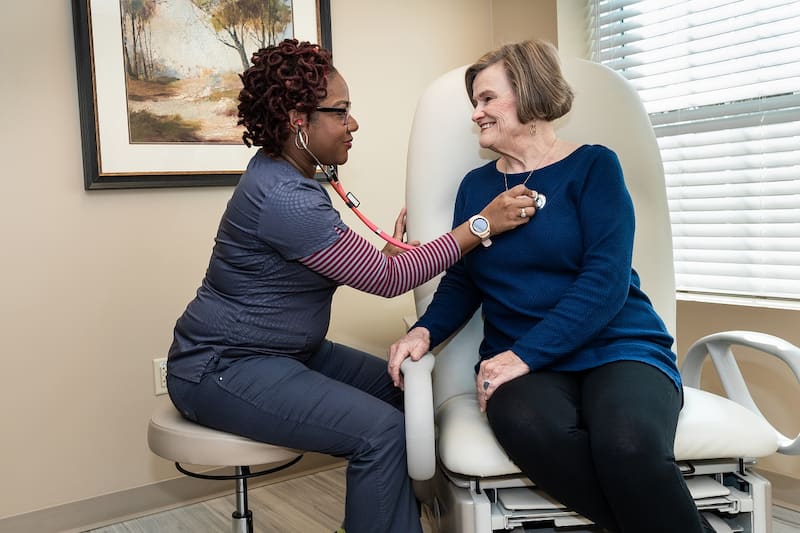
column 721, row 82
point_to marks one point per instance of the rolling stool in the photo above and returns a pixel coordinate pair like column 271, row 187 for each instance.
column 177, row 439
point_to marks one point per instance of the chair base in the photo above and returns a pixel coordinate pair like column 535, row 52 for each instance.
column 734, row 499
column 242, row 524
column 242, row 517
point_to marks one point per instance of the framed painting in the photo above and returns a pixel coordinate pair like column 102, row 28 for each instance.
column 158, row 84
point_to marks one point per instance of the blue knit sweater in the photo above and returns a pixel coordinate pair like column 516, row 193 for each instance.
column 560, row 290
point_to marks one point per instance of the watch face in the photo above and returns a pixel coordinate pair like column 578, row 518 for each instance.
column 480, row 225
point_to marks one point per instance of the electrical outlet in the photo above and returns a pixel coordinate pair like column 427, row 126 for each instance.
column 160, row 375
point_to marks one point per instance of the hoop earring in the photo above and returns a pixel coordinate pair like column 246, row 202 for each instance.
column 301, row 140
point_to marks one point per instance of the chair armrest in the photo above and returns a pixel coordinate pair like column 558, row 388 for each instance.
column 718, row 346
column 420, row 433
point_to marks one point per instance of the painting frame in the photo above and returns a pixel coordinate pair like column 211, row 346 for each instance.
column 96, row 176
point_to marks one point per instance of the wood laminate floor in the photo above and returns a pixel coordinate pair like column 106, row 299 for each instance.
column 309, row 504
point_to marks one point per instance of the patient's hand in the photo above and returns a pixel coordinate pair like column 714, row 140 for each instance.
column 414, row 344
column 500, row 369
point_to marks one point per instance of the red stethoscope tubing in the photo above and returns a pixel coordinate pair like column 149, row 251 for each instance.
column 349, row 199
column 352, row 202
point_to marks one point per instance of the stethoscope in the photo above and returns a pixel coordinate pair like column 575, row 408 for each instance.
column 350, row 200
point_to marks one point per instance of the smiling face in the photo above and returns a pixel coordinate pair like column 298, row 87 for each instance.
column 495, row 108
column 330, row 131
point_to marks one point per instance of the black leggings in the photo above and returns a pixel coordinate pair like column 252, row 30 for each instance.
column 601, row 442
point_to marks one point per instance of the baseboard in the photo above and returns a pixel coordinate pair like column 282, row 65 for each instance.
column 785, row 490
column 117, row 507
column 785, row 516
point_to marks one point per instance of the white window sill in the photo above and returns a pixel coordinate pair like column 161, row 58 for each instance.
column 742, row 301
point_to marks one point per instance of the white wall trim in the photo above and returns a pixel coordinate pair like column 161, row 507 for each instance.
column 785, row 494
column 742, row 301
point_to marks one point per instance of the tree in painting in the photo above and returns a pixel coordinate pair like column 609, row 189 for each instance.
column 136, row 15
column 234, row 21
column 182, row 59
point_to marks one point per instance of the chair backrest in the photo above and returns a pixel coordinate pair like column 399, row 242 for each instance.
column 444, row 146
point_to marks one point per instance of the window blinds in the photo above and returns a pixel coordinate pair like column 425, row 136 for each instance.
column 721, row 82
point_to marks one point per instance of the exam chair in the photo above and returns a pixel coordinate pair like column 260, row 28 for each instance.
column 461, row 474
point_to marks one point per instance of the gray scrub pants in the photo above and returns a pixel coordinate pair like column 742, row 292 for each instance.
column 340, row 402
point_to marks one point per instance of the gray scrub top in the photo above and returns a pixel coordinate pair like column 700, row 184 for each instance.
column 256, row 298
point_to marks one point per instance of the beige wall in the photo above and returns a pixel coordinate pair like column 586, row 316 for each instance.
column 572, row 24
column 92, row 282
column 517, row 20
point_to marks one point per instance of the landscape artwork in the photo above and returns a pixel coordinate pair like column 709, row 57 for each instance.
column 182, row 60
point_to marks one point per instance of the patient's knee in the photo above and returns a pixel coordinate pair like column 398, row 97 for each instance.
column 530, row 426
column 629, row 450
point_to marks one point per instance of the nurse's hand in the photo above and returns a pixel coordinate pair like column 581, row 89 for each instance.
column 399, row 234
column 510, row 209
column 414, row 344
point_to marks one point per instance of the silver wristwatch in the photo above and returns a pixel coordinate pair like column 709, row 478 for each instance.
column 479, row 227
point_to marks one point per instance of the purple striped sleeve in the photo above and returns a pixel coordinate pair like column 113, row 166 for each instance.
column 353, row 261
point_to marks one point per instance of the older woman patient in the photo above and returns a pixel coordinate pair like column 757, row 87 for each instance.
column 576, row 371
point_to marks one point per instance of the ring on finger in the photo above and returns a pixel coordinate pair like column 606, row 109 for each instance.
column 523, row 213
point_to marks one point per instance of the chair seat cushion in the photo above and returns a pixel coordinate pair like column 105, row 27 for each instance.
column 709, row 427
column 466, row 442
column 173, row 437
column 712, row 427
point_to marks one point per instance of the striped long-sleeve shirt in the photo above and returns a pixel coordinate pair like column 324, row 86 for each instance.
column 281, row 251
column 354, row 261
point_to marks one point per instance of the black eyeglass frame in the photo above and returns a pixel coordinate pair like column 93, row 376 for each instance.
column 344, row 111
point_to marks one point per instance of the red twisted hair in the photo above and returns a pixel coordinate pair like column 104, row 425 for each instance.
column 286, row 76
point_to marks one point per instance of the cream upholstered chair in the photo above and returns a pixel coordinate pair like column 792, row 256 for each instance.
column 473, row 487
column 177, row 439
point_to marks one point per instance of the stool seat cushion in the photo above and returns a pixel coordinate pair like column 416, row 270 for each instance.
column 173, row 437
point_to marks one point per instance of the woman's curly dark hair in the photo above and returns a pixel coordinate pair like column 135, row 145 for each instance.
column 289, row 75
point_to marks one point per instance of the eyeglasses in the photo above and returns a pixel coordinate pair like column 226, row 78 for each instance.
column 343, row 112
